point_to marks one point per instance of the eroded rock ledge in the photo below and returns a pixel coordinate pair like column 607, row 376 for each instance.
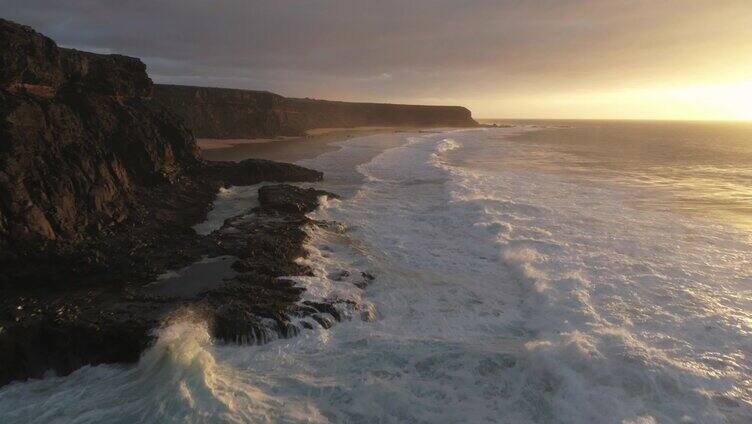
column 64, row 330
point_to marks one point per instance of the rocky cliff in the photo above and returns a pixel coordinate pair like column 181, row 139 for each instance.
column 99, row 188
column 86, row 152
column 231, row 113
column 226, row 113
column 304, row 114
column 78, row 136
column 100, row 184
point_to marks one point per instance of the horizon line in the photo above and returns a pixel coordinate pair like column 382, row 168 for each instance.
column 738, row 121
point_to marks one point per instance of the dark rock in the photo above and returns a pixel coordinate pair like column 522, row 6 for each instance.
column 323, row 321
column 64, row 329
column 304, row 114
column 95, row 178
column 325, row 308
column 99, row 188
column 291, row 199
column 252, row 171
column 226, row 113
column 339, row 275
column 32, row 63
column 367, row 278
column 267, row 244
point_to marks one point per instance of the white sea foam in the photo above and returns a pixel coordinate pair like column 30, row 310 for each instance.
column 631, row 318
column 230, row 201
column 501, row 295
column 177, row 380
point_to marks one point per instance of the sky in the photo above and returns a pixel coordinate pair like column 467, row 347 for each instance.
column 587, row 59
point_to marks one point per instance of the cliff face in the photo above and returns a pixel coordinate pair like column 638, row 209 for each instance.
column 91, row 167
column 77, row 134
column 304, row 114
column 224, row 112
column 99, row 188
column 231, row 113
column 33, row 63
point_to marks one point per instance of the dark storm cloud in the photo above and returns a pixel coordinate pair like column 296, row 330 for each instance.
column 389, row 49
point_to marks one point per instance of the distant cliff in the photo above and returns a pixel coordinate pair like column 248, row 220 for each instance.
column 224, row 112
column 306, row 114
column 232, row 113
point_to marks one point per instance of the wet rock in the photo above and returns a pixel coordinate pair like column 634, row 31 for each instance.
column 63, row 330
column 252, row 171
column 323, row 321
column 339, row 275
column 285, row 198
column 327, row 308
column 366, row 279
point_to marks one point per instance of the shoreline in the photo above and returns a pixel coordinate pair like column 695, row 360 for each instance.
column 250, row 303
column 105, row 183
column 290, row 149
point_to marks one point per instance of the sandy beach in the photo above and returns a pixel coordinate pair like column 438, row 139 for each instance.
column 287, row 149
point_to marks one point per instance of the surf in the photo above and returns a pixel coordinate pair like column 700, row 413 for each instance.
column 502, row 294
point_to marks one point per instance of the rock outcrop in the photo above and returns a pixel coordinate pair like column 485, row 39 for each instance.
column 62, row 331
column 99, row 188
column 232, row 113
column 78, row 137
column 88, row 160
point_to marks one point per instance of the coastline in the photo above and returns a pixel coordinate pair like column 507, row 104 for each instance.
column 289, row 149
column 251, row 303
column 104, row 185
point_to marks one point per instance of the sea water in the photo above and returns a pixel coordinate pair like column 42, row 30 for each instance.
column 549, row 272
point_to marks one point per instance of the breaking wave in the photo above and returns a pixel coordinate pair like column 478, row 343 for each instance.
column 502, row 294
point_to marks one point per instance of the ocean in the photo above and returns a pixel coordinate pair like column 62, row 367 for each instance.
column 538, row 272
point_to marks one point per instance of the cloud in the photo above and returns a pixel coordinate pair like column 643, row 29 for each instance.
column 403, row 50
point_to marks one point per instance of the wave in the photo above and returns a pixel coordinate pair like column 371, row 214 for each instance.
column 502, row 295
column 176, row 380
column 604, row 321
column 622, row 322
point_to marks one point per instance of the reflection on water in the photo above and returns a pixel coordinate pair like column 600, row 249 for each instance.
column 698, row 168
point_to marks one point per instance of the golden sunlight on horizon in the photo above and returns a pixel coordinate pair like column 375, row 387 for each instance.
column 700, row 102
column 694, row 65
